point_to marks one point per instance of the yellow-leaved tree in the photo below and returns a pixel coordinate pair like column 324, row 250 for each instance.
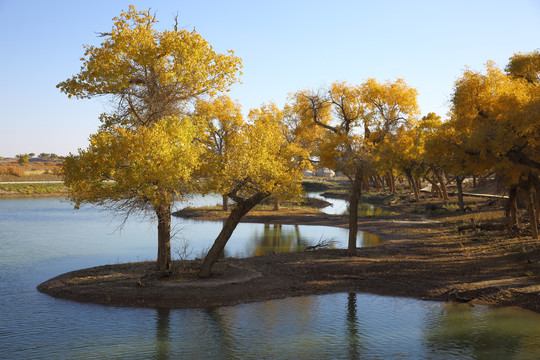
column 260, row 164
column 356, row 118
column 150, row 74
column 140, row 169
column 144, row 155
column 500, row 115
column 222, row 121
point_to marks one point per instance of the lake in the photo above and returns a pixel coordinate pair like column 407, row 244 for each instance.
column 43, row 237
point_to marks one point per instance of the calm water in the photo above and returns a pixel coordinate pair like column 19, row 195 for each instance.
column 41, row 238
column 341, row 207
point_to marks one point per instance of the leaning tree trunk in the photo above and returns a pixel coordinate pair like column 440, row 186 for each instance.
column 356, row 193
column 163, row 213
column 241, row 208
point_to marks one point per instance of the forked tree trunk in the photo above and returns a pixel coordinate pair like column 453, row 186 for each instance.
column 414, row 188
column 435, row 189
column 163, row 213
column 440, row 179
column 356, row 193
column 241, row 208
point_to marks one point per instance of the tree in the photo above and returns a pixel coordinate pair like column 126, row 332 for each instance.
column 150, row 74
column 525, row 66
column 222, row 121
column 500, row 116
column 404, row 150
column 356, row 118
column 23, row 159
column 145, row 146
column 141, row 169
column 445, row 147
column 430, row 126
column 261, row 164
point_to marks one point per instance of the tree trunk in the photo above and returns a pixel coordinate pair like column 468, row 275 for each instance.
column 435, row 189
column 366, row 184
column 532, row 214
column 441, row 181
column 377, row 183
column 537, row 202
column 511, row 207
column 356, row 193
column 392, row 182
column 414, row 188
column 381, row 181
column 276, row 204
column 163, row 213
column 241, row 208
column 225, row 203
column 459, row 184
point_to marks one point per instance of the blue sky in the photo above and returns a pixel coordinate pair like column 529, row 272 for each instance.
column 285, row 46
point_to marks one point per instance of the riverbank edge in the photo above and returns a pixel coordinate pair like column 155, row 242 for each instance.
column 422, row 259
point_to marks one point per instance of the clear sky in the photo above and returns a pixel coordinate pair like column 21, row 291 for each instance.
column 285, row 46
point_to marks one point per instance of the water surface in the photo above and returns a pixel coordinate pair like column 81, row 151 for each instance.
column 41, row 238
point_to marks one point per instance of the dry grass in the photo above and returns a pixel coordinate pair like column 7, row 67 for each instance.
column 34, row 171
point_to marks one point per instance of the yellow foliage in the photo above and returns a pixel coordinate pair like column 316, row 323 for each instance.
column 262, row 160
column 154, row 73
column 135, row 168
column 497, row 121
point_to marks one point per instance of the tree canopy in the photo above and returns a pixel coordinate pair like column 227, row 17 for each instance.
column 150, row 74
column 355, row 118
column 147, row 149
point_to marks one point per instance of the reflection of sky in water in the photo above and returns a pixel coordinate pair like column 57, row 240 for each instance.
column 341, row 207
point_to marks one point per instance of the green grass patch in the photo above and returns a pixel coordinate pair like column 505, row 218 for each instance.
column 32, row 189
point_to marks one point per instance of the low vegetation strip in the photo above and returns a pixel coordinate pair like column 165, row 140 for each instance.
column 32, row 188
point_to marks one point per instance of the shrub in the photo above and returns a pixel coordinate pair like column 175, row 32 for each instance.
column 11, row 170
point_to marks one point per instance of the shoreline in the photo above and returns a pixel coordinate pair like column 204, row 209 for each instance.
column 422, row 259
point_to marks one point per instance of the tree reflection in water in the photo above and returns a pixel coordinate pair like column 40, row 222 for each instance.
column 162, row 333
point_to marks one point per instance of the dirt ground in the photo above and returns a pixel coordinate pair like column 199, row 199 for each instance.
column 431, row 252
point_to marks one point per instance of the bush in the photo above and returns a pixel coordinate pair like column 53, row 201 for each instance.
column 11, row 170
